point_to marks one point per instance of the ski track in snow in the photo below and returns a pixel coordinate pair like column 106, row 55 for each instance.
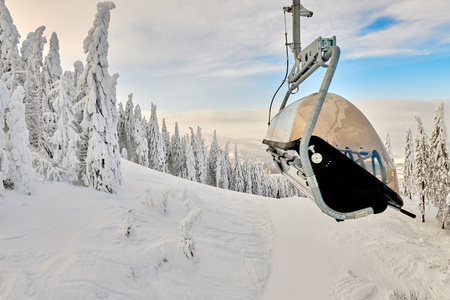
column 315, row 257
column 163, row 237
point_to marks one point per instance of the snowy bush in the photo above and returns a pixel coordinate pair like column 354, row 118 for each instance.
column 160, row 202
column 186, row 242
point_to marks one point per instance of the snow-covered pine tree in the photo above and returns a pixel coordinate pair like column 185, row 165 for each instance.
column 65, row 139
column 191, row 173
column 247, row 176
column 166, row 139
column 440, row 164
column 227, row 167
column 17, row 144
column 51, row 73
column 140, row 137
column 9, row 51
column 130, row 124
column 78, row 69
column 409, row 184
column 176, row 153
column 157, row 153
column 255, row 171
column 99, row 157
column 201, row 157
column 218, row 169
column 51, row 69
column 121, row 133
column 223, row 179
column 32, row 57
column 237, row 179
column 264, row 181
column 183, row 169
column 213, row 158
column 422, row 174
column 388, row 146
column 4, row 163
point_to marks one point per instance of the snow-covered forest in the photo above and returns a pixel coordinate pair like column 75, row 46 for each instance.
column 69, row 127
column 426, row 168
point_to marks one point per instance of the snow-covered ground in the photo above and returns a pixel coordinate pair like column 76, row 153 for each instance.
column 164, row 237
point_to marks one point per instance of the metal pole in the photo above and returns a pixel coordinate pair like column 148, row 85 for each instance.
column 296, row 28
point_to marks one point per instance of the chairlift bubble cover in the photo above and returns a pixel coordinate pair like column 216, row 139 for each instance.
column 354, row 143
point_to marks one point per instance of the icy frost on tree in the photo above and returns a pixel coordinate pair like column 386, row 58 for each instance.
column 16, row 144
column 100, row 157
column 422, row 155
column 409, row 183
column 9, row 51
column 4, row 163
column 439, row 160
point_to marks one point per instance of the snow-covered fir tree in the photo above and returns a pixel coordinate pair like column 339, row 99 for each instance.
column 191, row 172
column 422, row 174
column 32, row 58
column 165, row 135
column 247, row 176
column 176, row 153
column 388, row 146
column 213, row 160
column 52, row 70
column 223, row 178
column 9, row 52
column 157, row 153
column 130, row 124
column 100, row 157
column 4, row 163
column 257, row 188
column 78, row 69
column 200, row 152
column 227, row 167
column 17, row 144
column 65, row 139
column 121, row 133
column 409, row 184
column 440, row 165
column 237, row 180
column 140, row 137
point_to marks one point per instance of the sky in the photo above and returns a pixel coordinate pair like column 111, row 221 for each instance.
column 217, row 64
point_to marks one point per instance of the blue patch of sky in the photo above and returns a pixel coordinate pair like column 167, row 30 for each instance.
column 381, row 23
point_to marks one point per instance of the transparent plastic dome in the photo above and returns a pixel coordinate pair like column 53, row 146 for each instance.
column 340, row 124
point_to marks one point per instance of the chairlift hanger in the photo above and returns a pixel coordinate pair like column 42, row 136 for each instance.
column 324, row 145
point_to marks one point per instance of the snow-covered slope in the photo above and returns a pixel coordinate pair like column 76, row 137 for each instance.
column 164, row 237
column 161, row 237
